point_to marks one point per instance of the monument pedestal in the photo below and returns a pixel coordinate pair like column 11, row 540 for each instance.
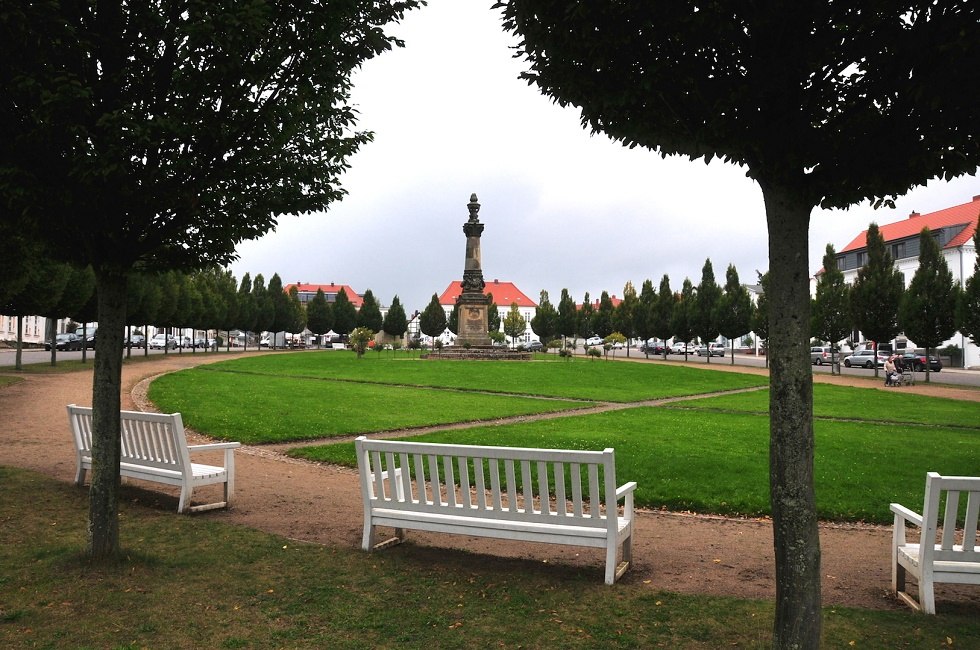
column 473, row 318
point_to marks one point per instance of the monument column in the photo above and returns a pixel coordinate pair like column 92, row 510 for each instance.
column 473, row 304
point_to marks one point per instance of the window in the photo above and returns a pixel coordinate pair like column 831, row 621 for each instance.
column 861, row 255
column 898, row 250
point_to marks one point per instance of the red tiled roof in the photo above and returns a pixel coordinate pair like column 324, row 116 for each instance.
column 328, row 289
column 504, row 294
column 965, row 214
column 595, row 303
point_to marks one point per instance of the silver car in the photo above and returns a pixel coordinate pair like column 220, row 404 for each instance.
column 865, row 359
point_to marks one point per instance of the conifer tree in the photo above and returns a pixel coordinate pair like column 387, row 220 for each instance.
column 830, row 316
column 493, row 315
column 927, row 312
column 681, row 321
column 602, row 317
column 432, row 321
column 344, row 314
column 734, row 312
column 369, row 315
column 968, row 310
column 319, row 316
column 624, row 315
column 662, row 317
column 876, row 293
column 703, row 316
column 395, row 322
column 567, row 315
column 544, row 323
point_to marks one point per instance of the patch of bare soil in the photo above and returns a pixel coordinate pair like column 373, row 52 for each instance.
column 679, row 552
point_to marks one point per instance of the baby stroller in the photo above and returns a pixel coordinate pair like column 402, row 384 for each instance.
column 907, row 378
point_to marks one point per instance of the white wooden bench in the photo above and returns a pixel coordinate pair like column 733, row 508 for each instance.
column 154, row 448
column 936, row 557
column 538, row 495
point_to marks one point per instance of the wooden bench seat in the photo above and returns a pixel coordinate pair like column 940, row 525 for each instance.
column 538, row 495
column 936, row 556
column 154, row 448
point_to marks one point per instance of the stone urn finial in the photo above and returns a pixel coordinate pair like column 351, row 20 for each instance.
column 474, row 208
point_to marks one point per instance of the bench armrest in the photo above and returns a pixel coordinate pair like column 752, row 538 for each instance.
column 626, row 490
column 902, row 512
column 213, row 446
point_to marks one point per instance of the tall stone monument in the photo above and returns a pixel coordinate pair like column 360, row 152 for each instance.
column 473, row 303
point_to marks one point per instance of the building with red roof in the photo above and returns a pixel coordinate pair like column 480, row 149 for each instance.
column 952, row 227
column 306, row 292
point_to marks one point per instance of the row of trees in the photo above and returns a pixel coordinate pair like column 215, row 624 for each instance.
column 705, row 311
column 929, row 311
column 204, row 300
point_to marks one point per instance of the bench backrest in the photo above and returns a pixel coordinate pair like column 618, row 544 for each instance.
column 934, row 514
column 554, row 486
column 149, row 439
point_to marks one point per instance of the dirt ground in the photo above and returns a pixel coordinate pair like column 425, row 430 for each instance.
column 318, row 503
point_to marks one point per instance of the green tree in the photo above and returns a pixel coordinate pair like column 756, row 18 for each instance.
column 359, row 340
column 134, row 134
column 703, row 316
column 585, row 317
column 643, row 314
column 876, row 293
column 432, row 321
column 968, row 309
column 39, row 295
column 452, row 324
column 369, row 315
column 344, row 314
column 565, row 323
column 760, row 320
column 681, row 320
column 624, row 315
column 265, row 309
column 734, row 312
column 247, row 308
column 226, row 287
column 281, row 310
column 319, row 317
column 493, row 315
column 662, row 316
column 395, row 322
column 927, row 312
column 144, row 295
column 831, row 105
column 515, row 325
column 830, row 314
column 297, row 322
column 544, row 323
column 602, row 317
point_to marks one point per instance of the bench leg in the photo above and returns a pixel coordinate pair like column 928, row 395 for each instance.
column 80, row 476
column 927, row 596
column 185, row 498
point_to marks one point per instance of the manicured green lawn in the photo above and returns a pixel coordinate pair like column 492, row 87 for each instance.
column 878, row 405
column 706, row 455
column 271, row 408
column 194, row 582
column 547, row 375
column 719, row 462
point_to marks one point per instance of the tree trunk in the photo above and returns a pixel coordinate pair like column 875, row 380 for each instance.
column 107, row 380
column 18, row 355
column 795, row 535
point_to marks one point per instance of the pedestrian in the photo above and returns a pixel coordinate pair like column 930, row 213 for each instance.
column 890, row 374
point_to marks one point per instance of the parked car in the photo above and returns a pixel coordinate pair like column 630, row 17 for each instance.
column 593, row 341
column 88, row 340
column 161, row 341
column 136, row 341
column 265, row 342
column 681, row 348
column 917, row 362
column 712, row 349
column 820, row 354
column 534, row 346
column 200, row 343
column 618, row 345
column 67, row 342
column 865, row 359
column 652, row 348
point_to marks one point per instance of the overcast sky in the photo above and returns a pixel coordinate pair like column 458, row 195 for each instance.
column 561, row 208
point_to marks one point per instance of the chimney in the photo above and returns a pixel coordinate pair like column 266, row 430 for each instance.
column 977, row 197
column 914, row 214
